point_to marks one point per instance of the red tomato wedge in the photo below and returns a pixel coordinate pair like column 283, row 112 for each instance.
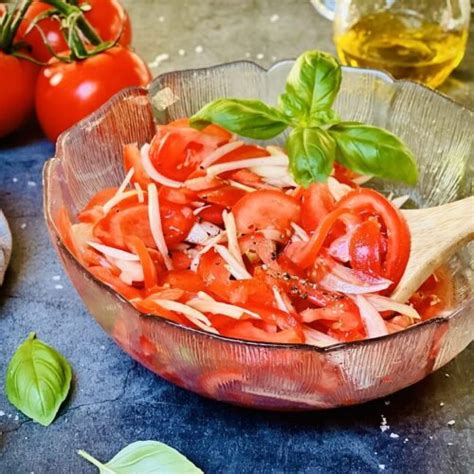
column 120, row 222
column 266, row 209
column 177, row 152
column 316, row 203
column 365, row 248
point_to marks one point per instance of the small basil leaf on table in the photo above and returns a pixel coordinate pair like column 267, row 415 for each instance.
column 246, row 117
column 373, row 151
column 38, row 380
column 311, row 153
column 145, row 457
column 312, row 86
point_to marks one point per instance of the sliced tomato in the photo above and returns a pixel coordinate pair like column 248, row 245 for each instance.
column 397, row 233
column 180, row 259
column 187, row 280
column 107, row 277
column 64, row 226
column 365, row 248
column 316, row 203
column 244, row 152
column 137, row 246
column 246, row 177
column 265, row 209
column 177, row 151
column 226, row 196
column 132, row 159
column 120, row 222
column 178, row 196
column 214, row 130
column 213, row 214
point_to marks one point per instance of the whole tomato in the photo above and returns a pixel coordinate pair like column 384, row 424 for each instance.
column 107, row 17
column 68, row 92
column 17, row 89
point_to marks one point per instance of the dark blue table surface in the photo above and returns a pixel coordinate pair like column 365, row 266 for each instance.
column 115, row 401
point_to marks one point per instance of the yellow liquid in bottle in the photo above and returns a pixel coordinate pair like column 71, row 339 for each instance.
column 404, row 45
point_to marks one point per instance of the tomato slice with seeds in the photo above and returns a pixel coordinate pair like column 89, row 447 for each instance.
column 176, row 221
column 265, row 209
column 365, row 248
column 226, row 196
column 316, row 203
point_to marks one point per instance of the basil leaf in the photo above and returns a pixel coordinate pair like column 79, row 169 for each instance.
column 311, row 87
column 246, row 117
column 145, row 457
column 373, row 151
column 38, row 380
column 311, row 153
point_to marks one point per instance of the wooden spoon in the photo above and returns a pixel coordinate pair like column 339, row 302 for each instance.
column 436, row 234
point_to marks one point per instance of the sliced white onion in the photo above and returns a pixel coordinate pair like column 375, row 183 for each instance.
column 382, row 303
column 236, row 269
column 197, row 234
column 331, row 282
column 211, row 228
column 116, row 199
column 155, row 224
column 152, row 172
column 196, row 317
column 129, row 271
column 357, row 278
column 318, row 338
column 272, row 234
column 278, row 176
column 362, row 179
column 279, row 300
column 241, row 186
column 373, row 322
column 201, row 183
column 339, row 248
column 220, row 152
column 216, row 307
column 232, row 240
column 300, row 232
column 141, row 194
column 337, row 189
column 113, row 252
column 280, row 160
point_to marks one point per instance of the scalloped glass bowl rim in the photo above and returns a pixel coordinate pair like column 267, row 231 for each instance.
column 334, row 347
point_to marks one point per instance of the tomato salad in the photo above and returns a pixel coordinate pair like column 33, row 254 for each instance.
column 213, row 233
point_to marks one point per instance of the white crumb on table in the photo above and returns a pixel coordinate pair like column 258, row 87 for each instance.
column 387, row 402
column 274, row 18
column 260, row 56
column 2, row 413
column 384, row 426
column 161, row 19
column 58, row 287
column 451, row 422
column 382, row 467
column 199, row 49
column 56, row 277
column 31, row 183
column 181, row 52
column 158, row 60
column 15, row 180
column 394, row 435
column 23, row 226
column 441, row 404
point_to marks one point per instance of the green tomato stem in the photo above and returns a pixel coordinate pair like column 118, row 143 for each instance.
column 84, row 26
column 11, row 24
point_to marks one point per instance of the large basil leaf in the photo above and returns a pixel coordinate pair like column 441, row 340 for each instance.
column 311, row 153
column 311, row 87
column 373, row 151
column 38, row 380
column 248, row 118
column 145, row 457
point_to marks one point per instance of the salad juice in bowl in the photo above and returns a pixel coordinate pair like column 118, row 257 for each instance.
column 239, row 249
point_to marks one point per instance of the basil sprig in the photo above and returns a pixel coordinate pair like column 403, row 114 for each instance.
column 38, row 380
column 145, row 457
column 319, row 137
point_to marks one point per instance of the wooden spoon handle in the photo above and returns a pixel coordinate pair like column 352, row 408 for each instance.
column 436, row 234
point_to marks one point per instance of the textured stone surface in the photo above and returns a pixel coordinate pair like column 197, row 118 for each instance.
column 114, row 401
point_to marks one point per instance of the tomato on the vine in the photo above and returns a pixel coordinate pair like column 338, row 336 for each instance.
column 68, row 92
column 107, row 17
column 17, row 86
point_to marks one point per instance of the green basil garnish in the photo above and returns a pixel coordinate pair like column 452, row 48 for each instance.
column 145, row 457
column 311, row 153
column 249, row 118
column 311, row 87
column 373, row 151
column 319, row 137
column 38, row 380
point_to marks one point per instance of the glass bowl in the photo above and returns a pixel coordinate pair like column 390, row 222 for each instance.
column 272, row 376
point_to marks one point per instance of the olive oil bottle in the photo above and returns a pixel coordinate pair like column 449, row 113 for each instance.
column 404, row 45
